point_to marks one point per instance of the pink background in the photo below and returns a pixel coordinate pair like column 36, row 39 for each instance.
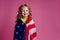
column 46, row 14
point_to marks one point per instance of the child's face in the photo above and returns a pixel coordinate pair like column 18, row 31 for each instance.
column 25, row 11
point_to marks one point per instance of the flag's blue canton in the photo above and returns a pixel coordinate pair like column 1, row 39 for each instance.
column 19, row 30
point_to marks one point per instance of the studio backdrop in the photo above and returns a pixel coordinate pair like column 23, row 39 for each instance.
column 46, row 14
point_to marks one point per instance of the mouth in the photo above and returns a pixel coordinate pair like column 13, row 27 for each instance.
column 24, row 13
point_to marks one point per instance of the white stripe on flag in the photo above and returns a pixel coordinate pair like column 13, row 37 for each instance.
column 31, row 31
column 30, row 23
column 28, row 37
column 34, row 38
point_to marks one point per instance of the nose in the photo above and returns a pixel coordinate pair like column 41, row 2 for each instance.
column 24, row 11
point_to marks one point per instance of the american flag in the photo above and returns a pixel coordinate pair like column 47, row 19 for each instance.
column 25, row 31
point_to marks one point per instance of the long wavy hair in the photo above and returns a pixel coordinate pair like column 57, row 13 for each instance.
column 19, row 14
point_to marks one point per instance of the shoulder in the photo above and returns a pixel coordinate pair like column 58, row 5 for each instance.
column 32, row 21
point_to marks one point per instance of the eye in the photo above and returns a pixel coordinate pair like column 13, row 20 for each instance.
column 22, row 10
column 26, row 10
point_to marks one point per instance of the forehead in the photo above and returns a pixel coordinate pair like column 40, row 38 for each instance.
column 24, row 8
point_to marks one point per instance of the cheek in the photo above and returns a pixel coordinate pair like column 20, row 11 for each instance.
column 27, row 12
column 22, row 13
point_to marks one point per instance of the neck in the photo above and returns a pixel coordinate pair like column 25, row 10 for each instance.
column 25, row 17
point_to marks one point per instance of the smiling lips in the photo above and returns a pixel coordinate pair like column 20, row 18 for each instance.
column 25, row 13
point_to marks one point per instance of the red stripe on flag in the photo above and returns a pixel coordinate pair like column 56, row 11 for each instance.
column 31, row 26
column 28, row 20
column 32, row 36
column 27, row 33
column 27, row 30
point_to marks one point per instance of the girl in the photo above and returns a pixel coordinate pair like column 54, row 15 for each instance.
column 25, row 27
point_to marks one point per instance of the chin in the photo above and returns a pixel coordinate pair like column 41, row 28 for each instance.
column 25, row 16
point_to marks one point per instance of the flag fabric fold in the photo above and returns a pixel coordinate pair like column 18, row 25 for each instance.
column 25, row 31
